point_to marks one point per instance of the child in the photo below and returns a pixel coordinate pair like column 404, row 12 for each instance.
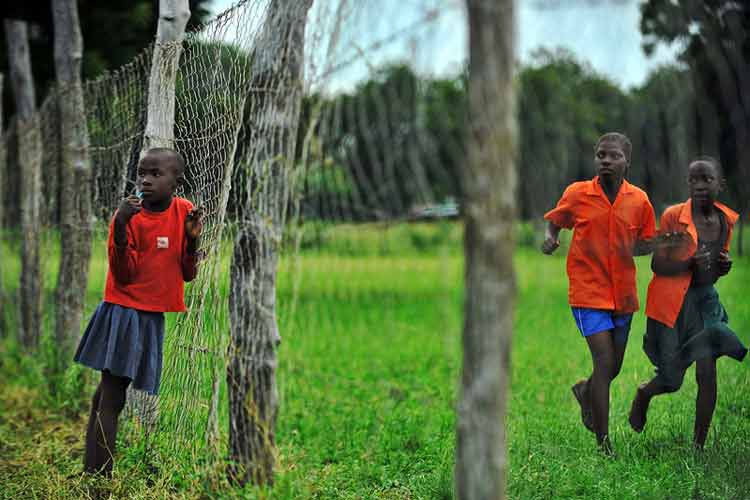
column 612, row 220
column 686, row 321
column 153, row 246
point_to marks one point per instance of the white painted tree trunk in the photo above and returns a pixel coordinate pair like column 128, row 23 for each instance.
column 29, row 158
column 274, row 104
column 170, row 32
column 75, row 179
column 489, row 214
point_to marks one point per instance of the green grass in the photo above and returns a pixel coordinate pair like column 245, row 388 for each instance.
column 368, row 381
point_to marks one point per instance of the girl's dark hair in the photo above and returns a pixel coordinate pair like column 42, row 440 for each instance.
column 619, row 139
column 709, row 159
column 175, row 156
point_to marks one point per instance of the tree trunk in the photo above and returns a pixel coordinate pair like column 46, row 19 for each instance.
column 173, row 17
column 75, row 179
column 170, row 32
column 274, row 115
column 490, row 211
column 732, row 69
column 3, row 324
column 29, row 154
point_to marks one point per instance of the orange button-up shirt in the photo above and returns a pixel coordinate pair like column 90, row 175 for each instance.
column 666, row 293
column 601, row 270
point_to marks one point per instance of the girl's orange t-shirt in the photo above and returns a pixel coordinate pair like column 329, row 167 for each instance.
column 148, row 273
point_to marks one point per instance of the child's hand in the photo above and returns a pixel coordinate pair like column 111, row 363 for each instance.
column 702, row 260
column 194, row 223
column 550, row 245
column 724, row 263
column 128, row 208
column 669, row 240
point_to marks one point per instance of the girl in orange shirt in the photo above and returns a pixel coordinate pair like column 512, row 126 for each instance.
column 153, row 247
column 686, row 321
column 612, row 220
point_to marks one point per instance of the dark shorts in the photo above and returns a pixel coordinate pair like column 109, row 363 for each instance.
column 593, row 321
column 701, row 331
column 127, row 343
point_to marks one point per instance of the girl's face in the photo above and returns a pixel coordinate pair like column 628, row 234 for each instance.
column 610, row 160
column 156, row 178
column 704, row 182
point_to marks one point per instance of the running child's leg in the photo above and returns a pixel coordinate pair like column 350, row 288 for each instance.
column 643, row 396
column 604, row 359
column 111, row 403
column 669, row 379
column 89, row 456
column 581, row 389
column 620, row 334
column 705, row 402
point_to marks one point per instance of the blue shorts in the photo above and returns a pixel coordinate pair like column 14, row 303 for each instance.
column 592, row 321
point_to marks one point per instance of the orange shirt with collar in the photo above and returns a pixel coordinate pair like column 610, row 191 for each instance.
column 601, row 269
column 666, row 293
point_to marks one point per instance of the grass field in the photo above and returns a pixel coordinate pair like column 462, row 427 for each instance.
column 368, row 377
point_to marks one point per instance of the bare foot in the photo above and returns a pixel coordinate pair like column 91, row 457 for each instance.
column 699, row 438
column 580, row 391
column 638, row 411
column 605, row 446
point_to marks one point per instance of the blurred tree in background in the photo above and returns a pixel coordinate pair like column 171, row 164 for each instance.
column 114, row 32
column 715, row 36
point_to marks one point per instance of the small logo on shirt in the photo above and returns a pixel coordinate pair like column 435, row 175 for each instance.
column 162, row 242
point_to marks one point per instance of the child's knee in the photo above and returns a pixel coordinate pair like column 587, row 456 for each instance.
column 118, row 403
column 606, row 365
column 97, row 397
column 672, row 384
column 705, row 373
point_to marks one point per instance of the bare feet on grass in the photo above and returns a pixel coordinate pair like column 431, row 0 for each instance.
column 638, row 411
column 580, row 391
column 605, row 446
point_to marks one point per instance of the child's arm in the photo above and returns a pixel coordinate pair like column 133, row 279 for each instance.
column 560, row 217
column 123, row 259
column 647, row 240
column 551, row 238
column 193, row 229
column 661, row 264
column 662, row 240
column 725, row 263
column 671, row 237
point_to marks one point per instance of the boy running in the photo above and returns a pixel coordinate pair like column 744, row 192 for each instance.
column 612, row 220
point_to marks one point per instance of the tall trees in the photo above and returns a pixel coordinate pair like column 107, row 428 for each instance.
column 489, row 213
column 716, row 40
column 273, row 107
column 3, row 159
column 564, row 106
column 75, row 177
column 29, row 159
column 115, row 31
